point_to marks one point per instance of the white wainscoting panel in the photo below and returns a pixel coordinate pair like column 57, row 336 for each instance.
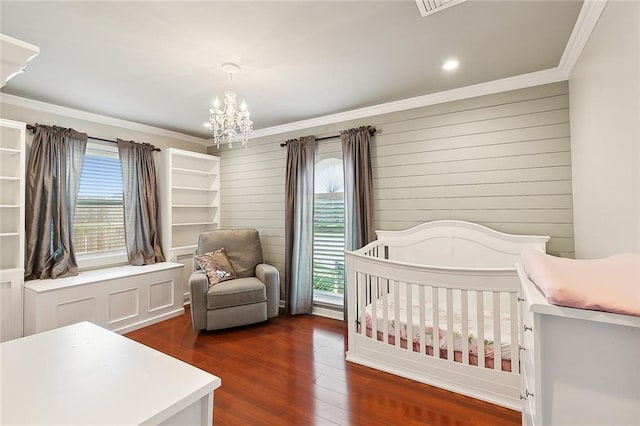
column 6, row 328
column 120, row 299
column 75, row 311
column 10, row 304
column 123, row 304
column 185, row 259
column 161, row 295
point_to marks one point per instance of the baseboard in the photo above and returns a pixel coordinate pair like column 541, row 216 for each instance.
column 322, row 311
column 149, row 321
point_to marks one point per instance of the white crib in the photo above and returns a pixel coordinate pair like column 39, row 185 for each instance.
column 458, row 278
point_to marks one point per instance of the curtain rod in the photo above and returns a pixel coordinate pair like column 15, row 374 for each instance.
column 32, row 128
column 372, row 131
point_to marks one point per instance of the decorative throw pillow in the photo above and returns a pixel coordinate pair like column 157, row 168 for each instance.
column 217, row 266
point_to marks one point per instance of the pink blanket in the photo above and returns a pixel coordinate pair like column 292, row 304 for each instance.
column 611, row 284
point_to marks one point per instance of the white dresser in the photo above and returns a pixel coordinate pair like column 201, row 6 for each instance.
column 83, row 374
column 578, row 367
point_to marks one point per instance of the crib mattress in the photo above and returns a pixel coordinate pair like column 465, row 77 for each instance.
column 401, row 322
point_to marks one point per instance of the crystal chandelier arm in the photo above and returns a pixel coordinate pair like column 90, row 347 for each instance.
column 230, row 124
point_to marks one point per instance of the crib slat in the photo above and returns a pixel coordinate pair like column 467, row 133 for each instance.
column 385, row 314
column 497, row 336
column 450, row 324
column 422, row 324
column 374, row 315
column 409, row 288
column 361, row 283
column 396, row 312
column 436, row 322
column 480, row 322
column 464, row 300
column 513, row 317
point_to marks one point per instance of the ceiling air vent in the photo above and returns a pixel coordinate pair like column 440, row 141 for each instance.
column 428, row 7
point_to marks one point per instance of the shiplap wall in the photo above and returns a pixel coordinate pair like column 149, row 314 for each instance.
column 500, row 160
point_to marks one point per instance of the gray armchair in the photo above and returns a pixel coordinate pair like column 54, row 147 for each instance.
column 252, row 297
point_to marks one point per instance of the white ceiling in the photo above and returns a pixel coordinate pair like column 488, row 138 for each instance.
column 158, row 63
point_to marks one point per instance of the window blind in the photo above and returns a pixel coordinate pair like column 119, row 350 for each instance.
column 328, row 242
column 99, row 219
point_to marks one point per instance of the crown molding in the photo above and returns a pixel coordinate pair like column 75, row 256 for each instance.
column 503, row 85
column 97, row 118
column 585, row 24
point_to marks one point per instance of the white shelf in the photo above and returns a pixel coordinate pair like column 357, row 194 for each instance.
column 185, row 248
column 9, row 151
column 193, row 172
column 9, row 206
column 193, row 206
column 10, row 178
column 9, row 234
column 190, row 188
column 193, row 155
column 193, row 224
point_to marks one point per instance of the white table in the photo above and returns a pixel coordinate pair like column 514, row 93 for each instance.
column 84, row 374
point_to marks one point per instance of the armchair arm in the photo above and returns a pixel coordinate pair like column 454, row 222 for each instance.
column 270, row 276
column 198, row 286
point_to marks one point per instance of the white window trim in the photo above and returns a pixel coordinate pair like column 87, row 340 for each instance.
column 100, row 260
column 328, row 298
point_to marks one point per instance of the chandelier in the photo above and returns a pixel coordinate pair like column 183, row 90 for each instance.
column 230, row 124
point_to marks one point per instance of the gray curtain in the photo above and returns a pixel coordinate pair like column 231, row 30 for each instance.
column 52, row 182
column 141, row 225
column 358, row 191
column 299, row 225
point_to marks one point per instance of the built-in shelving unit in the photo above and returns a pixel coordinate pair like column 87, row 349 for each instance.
column 190, row 203
column 12, row 171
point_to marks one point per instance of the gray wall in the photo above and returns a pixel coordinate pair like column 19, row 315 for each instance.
column 605, row 129
column 501, row 160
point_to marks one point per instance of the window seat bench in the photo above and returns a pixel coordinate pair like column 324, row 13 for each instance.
column 120, row 298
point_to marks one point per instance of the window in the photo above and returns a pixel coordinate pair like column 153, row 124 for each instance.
column 328, row 232
column 98, row 227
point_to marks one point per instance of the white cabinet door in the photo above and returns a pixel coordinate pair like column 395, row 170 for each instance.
column 10, row 304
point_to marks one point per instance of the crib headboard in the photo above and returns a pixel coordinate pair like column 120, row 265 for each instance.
column 457, row 243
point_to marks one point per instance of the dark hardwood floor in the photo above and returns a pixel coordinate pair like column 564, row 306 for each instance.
column 291, row 371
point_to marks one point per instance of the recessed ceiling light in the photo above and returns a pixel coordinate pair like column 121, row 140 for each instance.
column 450, row 65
